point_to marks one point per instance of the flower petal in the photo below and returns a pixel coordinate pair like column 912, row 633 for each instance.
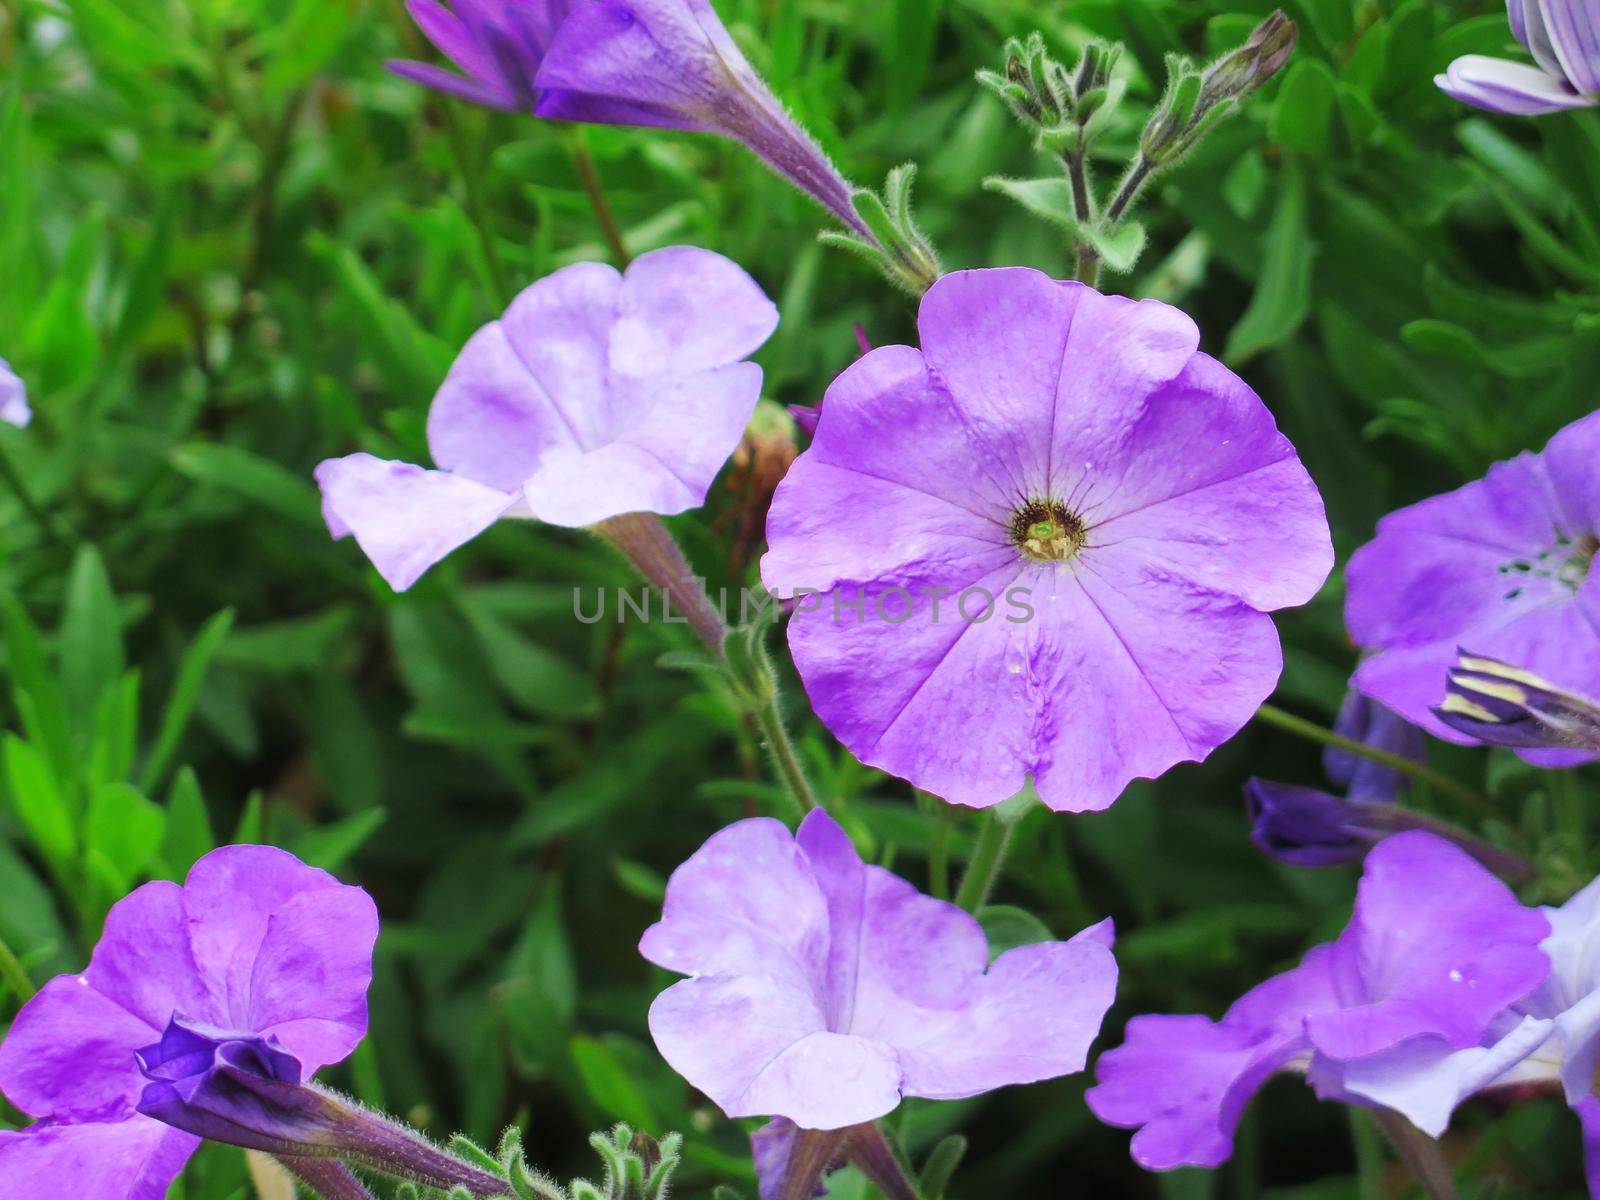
column 532, row 381
column 405, row 518
column 1208, row 487
column 1574, row 29
column 1502, row 86
column 758, row 1047
column 1436, row 946
column 746, row 901
column 686, row 310
column 1528, row 27
column 136, row 1159
column 71, row 1050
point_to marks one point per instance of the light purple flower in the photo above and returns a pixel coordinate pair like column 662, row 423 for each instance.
column 1502, row 566
column 1436, row 949
column 14, row 408
column 254, row 942
column 597, row 394
column 663, row 63
column 823, row 990
column 1046, row 544
column 1564, row 38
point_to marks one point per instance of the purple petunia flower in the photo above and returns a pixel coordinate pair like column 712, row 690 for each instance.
column 1502, row 566
column 255, row 959
column 662, row 63
column 1564, row 38
column 14, row 408
column 596, row 395
column 1436, row 949
column 1308, row 828
column 823, row 990
column 1044, row 544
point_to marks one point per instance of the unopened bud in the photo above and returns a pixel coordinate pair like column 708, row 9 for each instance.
column 1244, row 70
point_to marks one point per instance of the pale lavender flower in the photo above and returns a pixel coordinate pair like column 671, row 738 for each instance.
column 257, row 958
column 1436, row 949
column 1046, row 544
column 595, row 395
column 1503, row 566
column 14, row 408
column 664, row 63
column 823, row 990
column 1564, row 38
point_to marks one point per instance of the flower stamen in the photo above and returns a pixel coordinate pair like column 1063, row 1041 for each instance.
column 1046, row 531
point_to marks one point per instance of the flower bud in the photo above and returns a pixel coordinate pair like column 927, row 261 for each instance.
column 1507, row 706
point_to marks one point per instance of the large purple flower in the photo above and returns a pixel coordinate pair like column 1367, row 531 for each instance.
column 1564, row 38
column 1046, row 544
column 596, row 395
column 663, row 63
column 823, row 990
column 1501, row 566
column 1436, row 949
column 255, row 956
column 14, row 408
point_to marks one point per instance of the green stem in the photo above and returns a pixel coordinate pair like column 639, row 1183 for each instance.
column 1088, row 270
column 12, row 972
column 589, row 176
column 939, row 852
column 1128, row 190
column 765, row 709
column 1369, row 1155
column 1310, row 730
column 983, row 869
column 476, row 210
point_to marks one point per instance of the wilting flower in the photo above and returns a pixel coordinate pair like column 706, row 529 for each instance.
column 1309, row 828
column 1551, row 1037
column 1496, row 702
column 14, row 408
column 1502, row 566
column 595, row 395
column 257, row 964
column 1564, row 38
column 663, row 63
column 1045, row 544
column 823, row 990
column 1436, row 949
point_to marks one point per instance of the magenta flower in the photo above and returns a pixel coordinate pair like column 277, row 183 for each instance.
column 823, row 990
column 1044, row 544
column 663, row 63
column 255, row 943
column 597, row 394
column 1436, row 949
column 1564, row 38
column 1501, row 566
column 14, row 408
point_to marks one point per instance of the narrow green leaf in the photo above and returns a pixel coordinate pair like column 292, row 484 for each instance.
column 185, row 694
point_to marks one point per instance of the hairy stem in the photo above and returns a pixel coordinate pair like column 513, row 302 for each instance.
column 767, row 711
column 872, row 1156
column 1128, row 190
column 1420, row 1153
column 1088, row 270
column 329, row 1179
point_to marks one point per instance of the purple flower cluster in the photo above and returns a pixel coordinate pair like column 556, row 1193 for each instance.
column 1435, row 954
column 256, row 968
column 1564, row 38
column 1075, row 447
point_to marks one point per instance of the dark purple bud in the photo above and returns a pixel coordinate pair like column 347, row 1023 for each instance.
column 1504, row 705
column 1307, row 828
column 1238, row 74
column 242, row 1089
column 782, row 1151
column 1367, row 721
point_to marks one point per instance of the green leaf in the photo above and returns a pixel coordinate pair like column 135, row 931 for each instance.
column 1304, row 114
column 610, row 1085
column 37, row 799
column 185, row 694
column 123, row 834
column 1007, row 927
column 259, row 480
column 1282, row 298
column 91, row 634
column 328, row 846
column 188, row 836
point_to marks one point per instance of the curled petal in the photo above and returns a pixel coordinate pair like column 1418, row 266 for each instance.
column 1502, row 86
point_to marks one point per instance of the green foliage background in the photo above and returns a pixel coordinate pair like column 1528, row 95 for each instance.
column 232, row 245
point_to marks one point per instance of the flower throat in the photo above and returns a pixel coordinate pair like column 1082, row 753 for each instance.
column 1045, row 531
